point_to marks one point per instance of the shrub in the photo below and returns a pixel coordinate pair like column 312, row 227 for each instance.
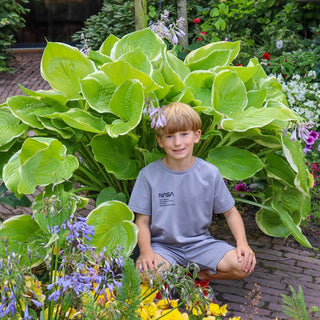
column 11, row 18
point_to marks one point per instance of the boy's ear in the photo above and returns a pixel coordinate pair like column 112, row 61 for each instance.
column 197, row 136
column 159, row 141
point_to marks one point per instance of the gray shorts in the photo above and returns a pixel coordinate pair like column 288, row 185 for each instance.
column 206, row 253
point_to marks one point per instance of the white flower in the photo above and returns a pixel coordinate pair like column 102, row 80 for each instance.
column 279, row 44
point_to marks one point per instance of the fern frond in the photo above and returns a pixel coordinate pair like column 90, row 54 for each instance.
column 295, row 306
column 128, row 294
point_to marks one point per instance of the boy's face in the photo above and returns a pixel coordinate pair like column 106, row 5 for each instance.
column 179, row 145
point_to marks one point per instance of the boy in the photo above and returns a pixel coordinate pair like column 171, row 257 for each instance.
column 174, row 199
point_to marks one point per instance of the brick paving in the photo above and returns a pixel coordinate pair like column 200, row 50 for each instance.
column 281, row 262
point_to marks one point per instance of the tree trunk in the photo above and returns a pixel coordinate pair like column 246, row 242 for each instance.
column 140, row 11
column 182, row 12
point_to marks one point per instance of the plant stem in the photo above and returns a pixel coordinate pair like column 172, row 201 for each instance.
column 91, row 176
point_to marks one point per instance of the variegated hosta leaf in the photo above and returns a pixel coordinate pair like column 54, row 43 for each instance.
column 83, row 120
column 63, row 67
column 41, row 161
column 127, row 103
column 235, row 163
column 22, row 234
column 121, row 71
column 108, row 44
column 116, row 154
column 145, row 39
column 229, row 93
column 212, row 55
column 98, row 89
column 113, row 227
column 10, row 127
column 257, row 118
column 294, row 154
column 200, row 84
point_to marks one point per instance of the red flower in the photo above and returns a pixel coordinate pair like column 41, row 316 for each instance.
column 203, row 32
column 199, row 39
column 266, row 56
column 239, row 65
column 319, row 32
column 196, row 20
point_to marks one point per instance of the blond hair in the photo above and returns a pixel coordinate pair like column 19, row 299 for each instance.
column 179, row 117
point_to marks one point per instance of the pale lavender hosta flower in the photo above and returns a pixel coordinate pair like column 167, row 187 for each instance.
column 300, row 131
column 172, row 32
column 156, row 115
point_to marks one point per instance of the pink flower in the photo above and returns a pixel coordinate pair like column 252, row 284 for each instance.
column 203, row 32
column 199, row 39
column 240, row 187
column 196, row 20
column 319, row 147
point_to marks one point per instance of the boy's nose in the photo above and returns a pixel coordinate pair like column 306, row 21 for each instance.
column 177, row 140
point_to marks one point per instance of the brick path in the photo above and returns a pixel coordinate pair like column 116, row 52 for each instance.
column 280, row 262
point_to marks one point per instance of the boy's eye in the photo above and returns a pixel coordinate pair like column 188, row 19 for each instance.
column 185, row 133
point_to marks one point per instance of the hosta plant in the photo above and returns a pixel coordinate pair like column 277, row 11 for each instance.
column 90, row 128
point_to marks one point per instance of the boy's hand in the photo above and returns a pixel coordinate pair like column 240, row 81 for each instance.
column 247, row 257
column 147, row 262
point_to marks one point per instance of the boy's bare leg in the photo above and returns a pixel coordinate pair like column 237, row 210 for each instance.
column 228, row 268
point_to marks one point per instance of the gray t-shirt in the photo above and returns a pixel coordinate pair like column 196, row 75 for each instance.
column 181, row 203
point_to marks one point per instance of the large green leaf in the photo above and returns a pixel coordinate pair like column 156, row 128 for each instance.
column 244, row 73
column 257, row 118
column 278, row 168
column 256, row 98
column 116, row 154
column 63, row 67
column 284, row 204
column 24, row 108
column 235, row 163
column 139, row 60
column 295, row 156
column 121, row 71
column 50, row 97
column 10, row 127
column 144, row 39
column 171, row 77
column 21, row 233
column 270, row 223
column 98, row 89
column 83, row 120
column 212, row 55
column 200, row 84
column 229, row 93
column 41, row 161
column 108, row 44
column 127, row 103
column 113, row 227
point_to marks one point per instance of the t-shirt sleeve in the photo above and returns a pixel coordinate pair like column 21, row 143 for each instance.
column 223, row 200
column 140, row 199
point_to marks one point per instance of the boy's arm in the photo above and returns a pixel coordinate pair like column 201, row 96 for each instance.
column 243, row 249
column 147, row 259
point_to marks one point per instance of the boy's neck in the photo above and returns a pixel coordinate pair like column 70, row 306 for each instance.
column 178, row 165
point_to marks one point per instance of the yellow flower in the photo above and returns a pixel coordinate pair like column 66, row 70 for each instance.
column 209, row 318
column 215, row 310
column 235, row 318
column 196, row 310
column 166, row 303
column 149, row 309
column 147, row 292
column 175, row 314
column 223, row 310
column 34, row 287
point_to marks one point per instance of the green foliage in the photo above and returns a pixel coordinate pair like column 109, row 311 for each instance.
column 11, row 19
column 128, row 294
column 295, row 306
column 95, row 115
column 115, row 17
